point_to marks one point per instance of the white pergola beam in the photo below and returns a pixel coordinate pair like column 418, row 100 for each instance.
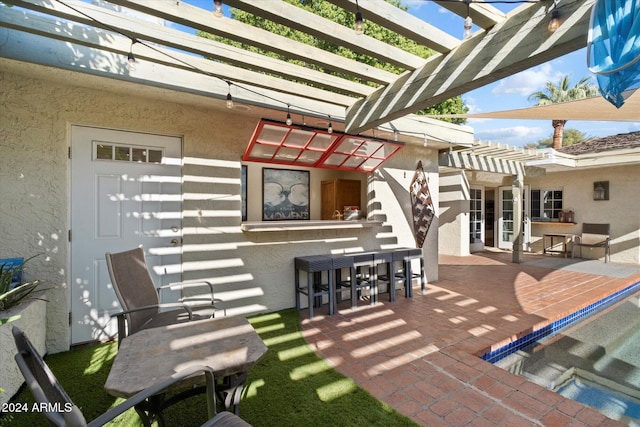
column 520, row 42
column 483, row 15
column 197, row 18
column 96, row 38
column 294, row 17
column 402, row 23
column 50, row 52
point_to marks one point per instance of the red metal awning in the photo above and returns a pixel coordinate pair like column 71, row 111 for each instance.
column 279, row 143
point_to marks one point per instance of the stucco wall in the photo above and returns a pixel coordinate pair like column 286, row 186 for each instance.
column 33, row 173
column 622, row 210
column 454, row 214
column 255, row 270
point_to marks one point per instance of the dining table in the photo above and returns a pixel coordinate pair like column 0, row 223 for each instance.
column 230, row 346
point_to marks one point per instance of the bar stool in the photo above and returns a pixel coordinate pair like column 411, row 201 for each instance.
column 414, row 253
column 362, row 275
column 340, row 262
column 314, row 265
column 393, row 273
column 404, row 274
column 385, row 259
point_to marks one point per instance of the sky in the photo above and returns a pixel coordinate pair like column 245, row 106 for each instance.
column 513, row 92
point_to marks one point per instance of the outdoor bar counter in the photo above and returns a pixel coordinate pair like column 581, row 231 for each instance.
column 258, row 226
column 314, row 265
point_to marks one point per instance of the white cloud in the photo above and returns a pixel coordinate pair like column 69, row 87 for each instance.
column 528, row 81
column 516, row 136
column 472, row 103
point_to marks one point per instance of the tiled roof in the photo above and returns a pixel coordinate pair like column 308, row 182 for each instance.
column 614, row 142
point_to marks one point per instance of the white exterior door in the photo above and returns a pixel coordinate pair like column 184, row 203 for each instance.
column 506, row 219
column 476, row 219
column 126, row 191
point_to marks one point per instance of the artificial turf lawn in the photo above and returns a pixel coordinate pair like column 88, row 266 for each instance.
column 290, row 386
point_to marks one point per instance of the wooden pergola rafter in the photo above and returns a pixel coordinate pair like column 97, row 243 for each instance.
column 361, row 95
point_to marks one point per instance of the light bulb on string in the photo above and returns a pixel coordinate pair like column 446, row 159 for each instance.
column 131, row 58
column 358, row 24
column 554, row 23
column 424, row 144
column 288, row 121
column 217, row 8
column 468, row 23
column 330, row 128
column 229, row 97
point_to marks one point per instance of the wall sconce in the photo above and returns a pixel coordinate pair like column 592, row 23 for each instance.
column 601, row 190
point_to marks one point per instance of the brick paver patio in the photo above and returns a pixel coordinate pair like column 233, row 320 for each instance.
column 420, row 355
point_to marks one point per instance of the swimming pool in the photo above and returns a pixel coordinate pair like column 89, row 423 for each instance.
column 612, row 403
column 591, row 356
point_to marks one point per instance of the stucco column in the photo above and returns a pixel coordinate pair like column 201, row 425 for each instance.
column 518, row 190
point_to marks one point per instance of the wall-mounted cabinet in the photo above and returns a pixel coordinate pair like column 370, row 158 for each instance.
column 338, row 193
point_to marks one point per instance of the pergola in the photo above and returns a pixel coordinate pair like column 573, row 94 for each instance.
column 96, row 39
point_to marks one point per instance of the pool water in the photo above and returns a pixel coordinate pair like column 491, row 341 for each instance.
column 610, row 402
column 595, row 361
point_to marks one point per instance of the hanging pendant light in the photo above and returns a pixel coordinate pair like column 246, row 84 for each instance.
column 468, row 22
column 289, row 122
column 359, row 22
column 229, row 97
column 131, row 58
column 217, row 8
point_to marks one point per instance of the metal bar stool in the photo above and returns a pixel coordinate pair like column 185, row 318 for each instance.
column 314, row 265
column 394, row 274
column 362, row 275
column 385, row 259
column 412, row 254
column 339, row 262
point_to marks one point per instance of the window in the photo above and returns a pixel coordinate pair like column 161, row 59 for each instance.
column 475, row 216
column 545, row 204
column 109, row 151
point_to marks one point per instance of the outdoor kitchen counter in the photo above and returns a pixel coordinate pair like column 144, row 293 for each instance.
column 306, row 225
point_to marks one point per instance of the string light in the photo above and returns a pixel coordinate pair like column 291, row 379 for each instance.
column 131, row 58
column 424, row 144
column 359, row 22
column 288, row 121
column 554, row 23
column 217, row 8
column 229, row 98
column 468, row 22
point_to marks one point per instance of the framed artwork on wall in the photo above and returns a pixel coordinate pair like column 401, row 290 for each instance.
column 243, row 191
column 285, row 194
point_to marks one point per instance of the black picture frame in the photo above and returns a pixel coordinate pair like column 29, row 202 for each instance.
column 285, row 194
column 243, row 191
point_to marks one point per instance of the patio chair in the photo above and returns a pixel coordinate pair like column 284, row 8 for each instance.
column 61, row 411
column 140, row 300
column 593, row 236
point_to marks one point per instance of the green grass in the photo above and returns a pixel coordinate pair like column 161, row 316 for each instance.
column 290, row 386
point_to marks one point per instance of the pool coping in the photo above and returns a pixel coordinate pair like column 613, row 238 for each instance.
column 513, row 346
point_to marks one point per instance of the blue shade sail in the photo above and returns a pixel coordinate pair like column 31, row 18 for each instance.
column 613, row 49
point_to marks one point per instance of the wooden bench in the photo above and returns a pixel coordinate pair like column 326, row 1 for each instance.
column 593, row 236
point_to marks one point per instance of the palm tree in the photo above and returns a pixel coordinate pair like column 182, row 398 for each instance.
column 563, row 92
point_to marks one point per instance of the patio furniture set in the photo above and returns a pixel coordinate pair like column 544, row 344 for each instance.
column 185, row 350
column 325, row 276
column 592, row 236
